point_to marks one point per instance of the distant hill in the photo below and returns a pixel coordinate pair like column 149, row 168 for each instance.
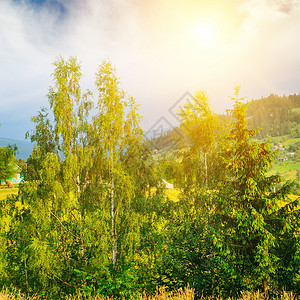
column 24, row 148
column 274, row 115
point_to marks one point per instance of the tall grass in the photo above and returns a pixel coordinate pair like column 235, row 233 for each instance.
column 5, row 295
column 161, row 294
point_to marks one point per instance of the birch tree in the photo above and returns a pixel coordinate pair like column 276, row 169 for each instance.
column 117, row 138
column 57, row 191
column 200, row 126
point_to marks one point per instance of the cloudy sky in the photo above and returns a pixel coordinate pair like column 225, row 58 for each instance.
column 161, row 48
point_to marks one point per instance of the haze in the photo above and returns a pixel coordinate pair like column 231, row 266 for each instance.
column 161, row 48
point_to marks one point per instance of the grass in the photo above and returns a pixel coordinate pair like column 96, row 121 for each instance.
column 286, row 169
column 4, row 192
column 290, row 142
column 296, row 109
column 280, row 139
column 161, row 294
column 5, row 295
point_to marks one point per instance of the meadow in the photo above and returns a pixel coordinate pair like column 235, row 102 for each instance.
column 4, row 192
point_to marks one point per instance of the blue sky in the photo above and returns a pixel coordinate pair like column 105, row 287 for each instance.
column 161, row 48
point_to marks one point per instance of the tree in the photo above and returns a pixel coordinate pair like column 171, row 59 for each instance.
column 45, row 141
column 228, row 226
column 191, row 256
column 51, row 204
column 7, row 163
column 201, row 128
column 72, row 225
column 117, row 140
column 248, row 209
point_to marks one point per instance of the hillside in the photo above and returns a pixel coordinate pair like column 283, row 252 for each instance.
column 278, row 120
column 275, row 116
column 24, row 148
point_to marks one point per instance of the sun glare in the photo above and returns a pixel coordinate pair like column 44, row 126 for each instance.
column 204, row 33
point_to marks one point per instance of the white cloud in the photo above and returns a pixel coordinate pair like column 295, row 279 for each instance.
column 266, row 48
column 148, row 42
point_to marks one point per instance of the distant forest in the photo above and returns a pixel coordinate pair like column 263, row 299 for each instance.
column 273, row 115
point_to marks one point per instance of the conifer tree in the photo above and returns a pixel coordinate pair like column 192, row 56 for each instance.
column 248, row 204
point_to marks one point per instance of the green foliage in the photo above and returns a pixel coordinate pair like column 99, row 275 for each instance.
column 7, row 162
column 248, row 206
column 275, row 115
column 72, row 226
column 234, row 234
column 93, row 219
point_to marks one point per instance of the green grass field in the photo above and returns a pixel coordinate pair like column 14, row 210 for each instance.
column 296, row 109
column 287, row 169
column 4, row 192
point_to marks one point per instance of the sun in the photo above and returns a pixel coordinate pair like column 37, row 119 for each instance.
column 204, row 33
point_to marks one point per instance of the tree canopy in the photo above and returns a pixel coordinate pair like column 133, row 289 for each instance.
column 8, row 166
column 94, row 218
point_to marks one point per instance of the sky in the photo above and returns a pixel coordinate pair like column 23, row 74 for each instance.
column 163, row 50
